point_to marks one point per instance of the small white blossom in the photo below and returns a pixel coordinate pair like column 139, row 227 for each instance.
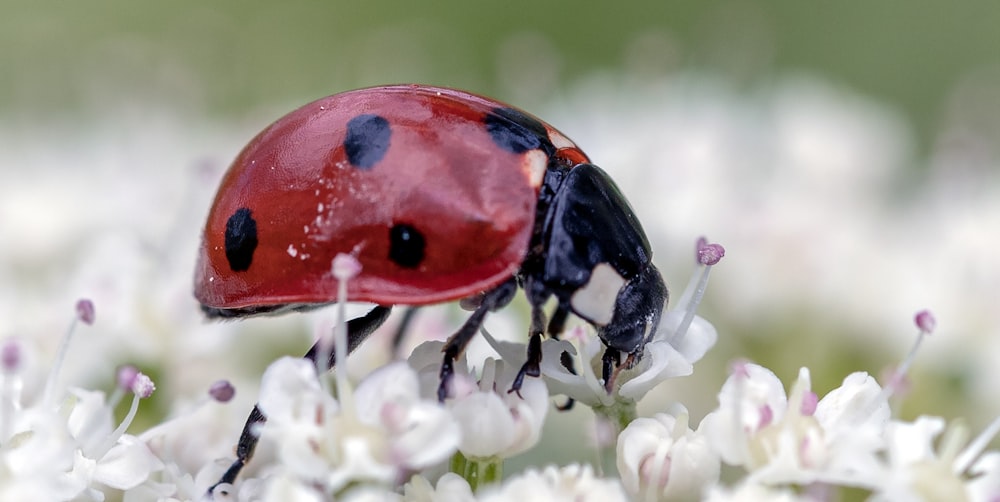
column 795, row 439
column 752, row 492
column 65, row 446
column 660, row 361
column 916, row 470
column 661, row 458
column 494, row 423
column 384, row 431
column 572, row 483
column 450, row 488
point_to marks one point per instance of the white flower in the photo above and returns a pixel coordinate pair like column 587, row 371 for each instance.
column 660, row 361
column 572, row 483
column 661, row 458
column 795, row 439
column 985, row 483
column 69, row 450
column 916, row 470
column 373, row 437
column 450, row 488
column 494, row 423
column 752, row 492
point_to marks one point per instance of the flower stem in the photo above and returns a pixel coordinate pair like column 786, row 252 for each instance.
column 610, row 422
column 477, row 473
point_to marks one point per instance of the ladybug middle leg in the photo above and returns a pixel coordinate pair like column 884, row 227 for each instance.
column 489, row 301
column 358, row 331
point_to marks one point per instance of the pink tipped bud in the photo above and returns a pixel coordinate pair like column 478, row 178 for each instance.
column 925, row 321
column 143, row 386
column 709, row 254
column 126, row 376
column 10, row 356
column 739, row 367
column 345, row 266
column 222, row 391
column 809, row 403
column 85, row 311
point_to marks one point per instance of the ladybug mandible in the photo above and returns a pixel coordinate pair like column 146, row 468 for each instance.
column 441, row 195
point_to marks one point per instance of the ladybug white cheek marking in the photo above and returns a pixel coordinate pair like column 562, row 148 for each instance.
column 596, row 299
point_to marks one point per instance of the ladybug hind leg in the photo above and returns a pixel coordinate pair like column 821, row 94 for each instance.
column 358, row 331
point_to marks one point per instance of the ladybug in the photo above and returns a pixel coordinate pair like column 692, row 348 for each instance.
column 441, row 195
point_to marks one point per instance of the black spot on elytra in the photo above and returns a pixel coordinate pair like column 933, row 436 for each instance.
column 516, row 132
column 406, row 246
column 367, row 140
column 241, row 239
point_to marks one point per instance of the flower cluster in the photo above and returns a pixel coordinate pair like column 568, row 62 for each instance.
column 388, row 437
column 62, row 444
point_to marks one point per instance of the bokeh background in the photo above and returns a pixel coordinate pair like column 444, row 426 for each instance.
column 845, row 153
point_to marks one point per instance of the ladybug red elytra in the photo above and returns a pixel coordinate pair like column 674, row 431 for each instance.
column 441, row 195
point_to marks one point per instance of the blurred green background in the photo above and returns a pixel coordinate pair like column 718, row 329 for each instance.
column 247, row 62
column 227, row 56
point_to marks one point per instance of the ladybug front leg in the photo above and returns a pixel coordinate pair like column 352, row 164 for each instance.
column 358, row 331
column 489, row 301
column 532, row 366
column 610, row 362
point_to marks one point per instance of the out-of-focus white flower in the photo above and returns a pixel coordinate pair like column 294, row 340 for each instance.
column 915, row 470
column 661, row 458
column 450, row 488
column 65, row 446
column 984, row 484
column 572, row 483
column 748, row 491
column 795, row 439
column 375, row 437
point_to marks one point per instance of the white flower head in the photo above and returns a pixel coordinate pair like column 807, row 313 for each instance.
column 916, row 470
column 661, row 458
column 748, row 491
column 795, row 438
column 660, row 361
column 381, row 434
column 65, row 444
column 449, row 488
column 494, row 423
column 572, row 483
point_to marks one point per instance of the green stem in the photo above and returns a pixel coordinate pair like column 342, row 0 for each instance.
column 617, row 417
column 478, row 472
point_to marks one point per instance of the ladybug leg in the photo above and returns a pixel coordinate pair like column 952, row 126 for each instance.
column 490, row 301
column 358, row 331
column 531, row 366
column 609, row 361
column 404, row 326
